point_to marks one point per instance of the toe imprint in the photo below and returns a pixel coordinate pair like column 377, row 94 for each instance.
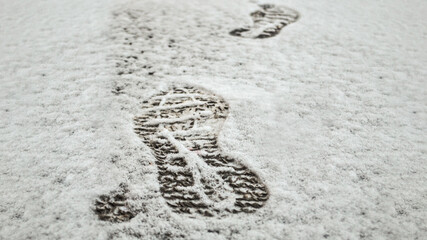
column 181, row 126
column 267, row 22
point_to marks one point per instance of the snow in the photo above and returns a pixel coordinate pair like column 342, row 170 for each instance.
column 330, row 113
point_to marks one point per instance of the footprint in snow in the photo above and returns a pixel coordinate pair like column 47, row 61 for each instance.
column 181, row 127
column 267, row 22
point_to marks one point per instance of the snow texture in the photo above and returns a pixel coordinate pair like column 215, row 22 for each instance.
column 331, row 114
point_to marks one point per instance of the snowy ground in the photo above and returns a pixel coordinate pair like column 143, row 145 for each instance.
column 331, row 114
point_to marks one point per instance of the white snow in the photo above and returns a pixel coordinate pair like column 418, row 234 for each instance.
column 330, row 113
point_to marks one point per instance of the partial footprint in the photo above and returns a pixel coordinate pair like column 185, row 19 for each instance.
column 267, row 22
column 181, row 127
column 115, row 206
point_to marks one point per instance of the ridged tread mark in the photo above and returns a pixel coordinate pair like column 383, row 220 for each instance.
column 114, row 207
column 267, row 22
column 181, row 126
